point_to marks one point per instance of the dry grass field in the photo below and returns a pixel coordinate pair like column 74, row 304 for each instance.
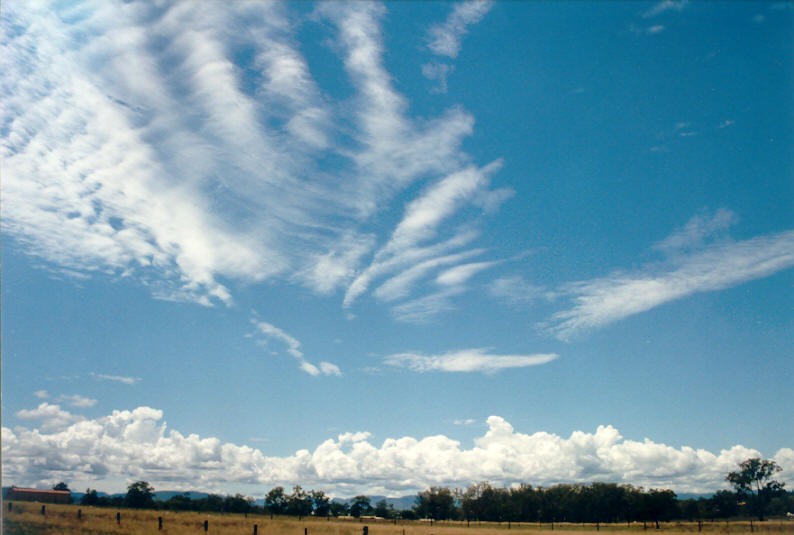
column 26, row 519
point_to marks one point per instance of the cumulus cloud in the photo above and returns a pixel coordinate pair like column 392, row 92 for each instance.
column 467, row 360
column 445, row 39
column 692, row 268
column 272, row 332
column 52, row 416
column 138, row 444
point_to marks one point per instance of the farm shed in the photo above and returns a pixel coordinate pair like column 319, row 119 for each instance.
column 34, row 495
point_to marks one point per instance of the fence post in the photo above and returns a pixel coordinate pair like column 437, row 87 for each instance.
column 752, row 530
column 44, row 509
column 366, row 530
column 700, row 525
column 79, row 514
column 118, row 518
column 255, row 528
column 159, row 523
column 206, row 525
column 305, row 531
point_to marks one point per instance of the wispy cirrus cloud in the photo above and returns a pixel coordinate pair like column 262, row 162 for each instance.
column 445, row 39
column 515, row 290
column 116, row 378
column 467, row 360
column 272, row 332
column 420, row 223
column 152, row 147
column 692, row 268
column 665, row 6
column 76, row 400
column 697, row 230
column 458, row 275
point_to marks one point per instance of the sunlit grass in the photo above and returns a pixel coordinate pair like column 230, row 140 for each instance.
column 26, row 519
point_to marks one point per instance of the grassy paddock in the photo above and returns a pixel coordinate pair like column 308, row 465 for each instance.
column 25, row 518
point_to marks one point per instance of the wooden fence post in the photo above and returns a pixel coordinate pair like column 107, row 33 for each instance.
column 255, row 528
column 206, row 525
column 44, row 509
column 79, row 514
column 159, row 523
column 118, row 518
column 366, row 530
column 305, row 531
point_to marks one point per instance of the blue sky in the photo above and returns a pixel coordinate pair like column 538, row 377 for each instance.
column 376, row 247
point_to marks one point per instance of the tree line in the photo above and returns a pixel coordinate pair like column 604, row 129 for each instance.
column 755, row 494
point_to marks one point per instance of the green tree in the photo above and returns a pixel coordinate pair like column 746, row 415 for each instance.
column 140, row 495
column 436, row 503
column 276, row 501
column 384, row 509
column 753, row 483
column 299, row 503
column 61, row 486
column 321, row 503
column 237, row 504
column 360, row 506
column 339, row 508
column 90, row 497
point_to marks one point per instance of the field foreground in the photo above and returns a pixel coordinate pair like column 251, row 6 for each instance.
column 25, row 518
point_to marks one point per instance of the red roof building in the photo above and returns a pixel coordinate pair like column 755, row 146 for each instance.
column 34, row 495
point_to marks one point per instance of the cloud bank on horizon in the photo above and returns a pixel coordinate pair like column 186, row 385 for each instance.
column 137, row 444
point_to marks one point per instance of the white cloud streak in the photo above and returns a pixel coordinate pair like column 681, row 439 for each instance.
column 515, row 290
column 697, row 230
column 445, row 39
column 116, row 378
column 460, row 274
column 467, row 361
column 76, row 400
column 602, row 301
column 270, row 331
column 131, row 445
column 665, row 6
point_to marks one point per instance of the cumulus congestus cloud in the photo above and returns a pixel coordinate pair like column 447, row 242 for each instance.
column 138, row 444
